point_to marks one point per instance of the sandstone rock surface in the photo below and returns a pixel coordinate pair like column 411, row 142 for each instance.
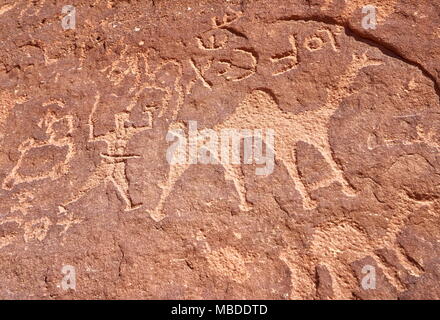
column 85, row 181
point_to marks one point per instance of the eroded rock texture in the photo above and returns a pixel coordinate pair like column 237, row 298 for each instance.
column 85, row 181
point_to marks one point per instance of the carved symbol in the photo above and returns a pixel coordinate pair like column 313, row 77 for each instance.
column 292, row 128
column 66, row 220
column 200, row 72
column 217, row 36
column 36, row 229
column 234, row 72
column 214, row 41
column 347, row 236
column 288, row 60
column 58, row 130
column 318, row 41
column 228, row 18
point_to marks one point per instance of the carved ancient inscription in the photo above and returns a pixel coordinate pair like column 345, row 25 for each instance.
column 229, row 55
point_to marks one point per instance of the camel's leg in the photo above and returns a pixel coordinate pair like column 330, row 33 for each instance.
column 289, row 159
column 235, row 174
column 337, row 173
column 176, row 171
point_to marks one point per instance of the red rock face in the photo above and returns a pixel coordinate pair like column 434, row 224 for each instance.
column 347, row 208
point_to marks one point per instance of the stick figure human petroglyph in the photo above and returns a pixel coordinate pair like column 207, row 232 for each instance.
column 114, row 161
column 112, row 168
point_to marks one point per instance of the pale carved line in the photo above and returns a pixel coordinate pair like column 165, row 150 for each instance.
column 214, row 45
column 310, row 127
column 200, row 73
column 227, row 19
column 14, row 178
column 113, row 167
column 345, row 237
column 5, row 8
column 249, row 71
column 292, row 55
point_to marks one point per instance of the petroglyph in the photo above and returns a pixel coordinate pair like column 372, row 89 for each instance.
column 58, row 131
column 67, row 221
column 24, row 200
column 32, row 229
column 234, row 48
column 346, row 238
column 216, row 39
column 310, row 127
column 175, row 172
column 218, row 35
column 322, row 37
column 113, row 166
column 228, row 18
column 235, row 72
column 355, row 172
column 338, row 244
column 260, row 111
column 291, row 58
column 27, row 230
column 200, row 72
column 36, row 229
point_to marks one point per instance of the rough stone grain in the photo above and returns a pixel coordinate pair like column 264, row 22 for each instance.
column 84, row 179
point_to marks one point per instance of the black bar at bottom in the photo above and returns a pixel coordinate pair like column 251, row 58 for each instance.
column 220, row 309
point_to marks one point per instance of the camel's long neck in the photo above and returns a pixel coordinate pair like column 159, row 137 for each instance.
column 342, row 89
column 260, row 109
